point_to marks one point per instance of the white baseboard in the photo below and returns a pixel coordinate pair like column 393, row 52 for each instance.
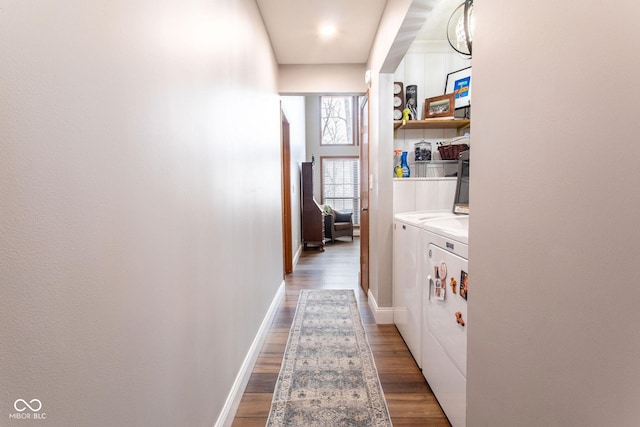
column 296, row 257
column 228, row 412
column 383, row 315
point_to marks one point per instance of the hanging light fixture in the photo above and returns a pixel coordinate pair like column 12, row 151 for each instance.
column 460, row 28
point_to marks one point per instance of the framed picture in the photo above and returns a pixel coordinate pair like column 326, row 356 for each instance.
column 459, row 84
column 439, row 106
column 464, row 284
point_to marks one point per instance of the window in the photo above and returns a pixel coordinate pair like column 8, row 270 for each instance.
column 341, row 184
column 337, row 123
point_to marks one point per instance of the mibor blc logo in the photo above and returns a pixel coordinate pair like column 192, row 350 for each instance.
column 28, row 410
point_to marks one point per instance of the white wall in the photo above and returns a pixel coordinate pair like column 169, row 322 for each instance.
column 423, row 194
column 294, row 108
column 140, row 215
column 426, row 65
column 380, row 193
column 553, row 330
column 324, row 78
column 401, row 21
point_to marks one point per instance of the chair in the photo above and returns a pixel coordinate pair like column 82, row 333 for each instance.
column 337, row 224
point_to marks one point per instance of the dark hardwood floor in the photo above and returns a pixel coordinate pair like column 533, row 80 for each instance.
column 409, row 398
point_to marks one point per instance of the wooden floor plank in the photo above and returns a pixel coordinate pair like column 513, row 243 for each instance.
column 255, row 405
column 413, row 405
column 408, row 395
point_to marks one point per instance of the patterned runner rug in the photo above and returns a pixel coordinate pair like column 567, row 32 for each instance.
column 328, row 376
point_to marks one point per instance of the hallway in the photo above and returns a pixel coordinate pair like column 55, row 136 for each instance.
column 408, row 396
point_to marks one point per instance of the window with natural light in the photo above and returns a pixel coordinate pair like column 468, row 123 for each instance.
column 337, row 124
column 341, row 184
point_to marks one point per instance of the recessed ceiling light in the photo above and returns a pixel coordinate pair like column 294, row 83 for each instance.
column 327, row 30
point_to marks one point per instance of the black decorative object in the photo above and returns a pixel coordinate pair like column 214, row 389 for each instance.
column 412, row 101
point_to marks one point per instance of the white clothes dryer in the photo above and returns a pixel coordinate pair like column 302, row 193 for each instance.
column 445, row 283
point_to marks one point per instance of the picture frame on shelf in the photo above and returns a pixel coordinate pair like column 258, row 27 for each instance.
column 439, row 106
column 458, row 83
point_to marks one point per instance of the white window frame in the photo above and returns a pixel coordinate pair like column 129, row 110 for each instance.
column 344, row 202
column 351, row 120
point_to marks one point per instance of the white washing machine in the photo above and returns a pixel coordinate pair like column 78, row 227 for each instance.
column 407, row 283
column 445, row 248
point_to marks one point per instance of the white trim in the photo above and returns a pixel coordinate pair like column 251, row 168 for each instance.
column 296, row 257
column 228, row 412
column 383, row 315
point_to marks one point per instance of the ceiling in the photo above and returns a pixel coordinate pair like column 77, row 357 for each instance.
column 293, row 27
column 435, row 26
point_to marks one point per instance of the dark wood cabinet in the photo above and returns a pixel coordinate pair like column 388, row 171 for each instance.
column 312, row 217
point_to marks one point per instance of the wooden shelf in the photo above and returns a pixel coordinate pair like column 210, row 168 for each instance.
column 436, row 123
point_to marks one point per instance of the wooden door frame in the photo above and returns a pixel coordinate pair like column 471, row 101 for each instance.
column 364, row 190
column 287, row 239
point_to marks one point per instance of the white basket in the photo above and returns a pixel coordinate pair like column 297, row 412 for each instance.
column 435, row 170
column 428, row 169
column 420, row 170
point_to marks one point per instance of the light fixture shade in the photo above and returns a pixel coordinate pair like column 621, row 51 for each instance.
column 460, row 28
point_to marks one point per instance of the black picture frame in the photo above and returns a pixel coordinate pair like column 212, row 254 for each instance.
column 459, row 84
